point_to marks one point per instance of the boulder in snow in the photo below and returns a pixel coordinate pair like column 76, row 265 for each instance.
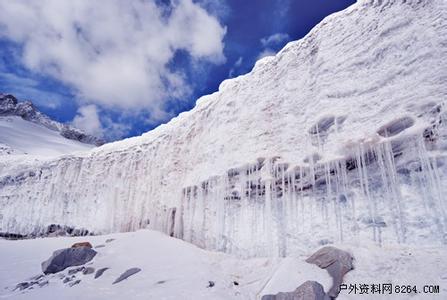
column 310, row 290
column 337, row 262
column 64, row 258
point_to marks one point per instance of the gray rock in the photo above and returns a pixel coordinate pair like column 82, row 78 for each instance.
column 100, row 272
column 74, row 283
column 23, row 285
column 109, row 240
column 64, row 258
column 88, row 270
column 43, row 283
column 100, row 246
column 75, row 270
column 310, row 290
column 337, row 263
column 127, row 274
column 37, row 277
column 66, row 279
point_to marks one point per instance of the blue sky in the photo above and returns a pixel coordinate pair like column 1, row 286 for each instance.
column 120, row 70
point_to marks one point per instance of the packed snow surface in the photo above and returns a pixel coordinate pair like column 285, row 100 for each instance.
column 340, row 137
column 24, row 137
column 172, row 269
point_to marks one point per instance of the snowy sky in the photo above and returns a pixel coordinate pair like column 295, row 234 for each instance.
column 120, row 68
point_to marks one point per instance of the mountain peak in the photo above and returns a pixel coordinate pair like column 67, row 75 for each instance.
column 10, row 106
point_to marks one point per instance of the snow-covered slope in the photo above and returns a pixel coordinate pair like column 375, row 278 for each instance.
column 18, row 136
column 339, row 137
column 10, row 107
column 173, row 269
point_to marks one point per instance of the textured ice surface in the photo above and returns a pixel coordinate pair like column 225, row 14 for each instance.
column 286, row 157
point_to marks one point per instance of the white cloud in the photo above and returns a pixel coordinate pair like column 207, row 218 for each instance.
column 270, row 42
column 218, row 8
column 26, row 88
column 274, row 39
column 87, row 119
column 113, row 53
column 90, row 119
column 236, row 65
column 265, row 53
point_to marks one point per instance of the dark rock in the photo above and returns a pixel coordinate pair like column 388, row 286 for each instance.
column 235, row 283
column 395, row 127
column 88, row 270
column 53, row 230
column 43, row 283
column 23, row 285
column 12, row 236
column 66, row 279
column 100, row 272
column 64, row 258
column 127, row 274
column 337, row 263
column 37, row 277
column 211, row 284
column 310, row 290
column 82, row 244
column 74, row 283
column 75, row 270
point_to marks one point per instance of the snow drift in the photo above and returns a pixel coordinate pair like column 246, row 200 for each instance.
column 339, row 137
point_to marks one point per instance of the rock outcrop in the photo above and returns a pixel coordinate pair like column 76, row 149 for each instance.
column 64, row 258
column 310, row 290
column 336, row 262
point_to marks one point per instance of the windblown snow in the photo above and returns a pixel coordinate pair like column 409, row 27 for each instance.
column 340, row 137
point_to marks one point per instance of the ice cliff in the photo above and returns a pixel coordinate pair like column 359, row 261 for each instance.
column 339, row 137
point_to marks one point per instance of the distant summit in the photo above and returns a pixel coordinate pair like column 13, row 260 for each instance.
column 10, row 106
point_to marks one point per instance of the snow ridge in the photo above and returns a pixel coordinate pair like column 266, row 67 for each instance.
column 9, row 106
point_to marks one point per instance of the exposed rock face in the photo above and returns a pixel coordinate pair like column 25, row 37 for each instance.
column 310, row 290
column 64, row 258
column 51, row 230
column 337, row 262
column 9, row 106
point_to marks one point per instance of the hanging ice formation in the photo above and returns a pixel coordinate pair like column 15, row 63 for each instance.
column 389, row 191
column 339, row 138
